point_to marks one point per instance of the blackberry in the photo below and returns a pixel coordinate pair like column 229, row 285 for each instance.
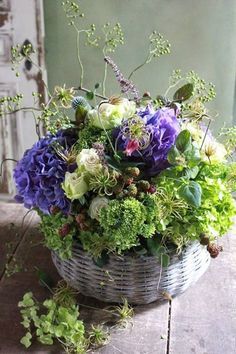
column 214, row 250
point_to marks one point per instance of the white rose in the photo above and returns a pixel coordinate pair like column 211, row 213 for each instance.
column 89, row 161
column 110, row 115
column 96, row 205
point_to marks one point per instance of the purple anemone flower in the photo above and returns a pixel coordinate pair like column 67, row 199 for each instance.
column 39, row 174
column 157, row 132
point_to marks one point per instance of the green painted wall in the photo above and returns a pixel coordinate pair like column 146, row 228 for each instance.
column 202, row 34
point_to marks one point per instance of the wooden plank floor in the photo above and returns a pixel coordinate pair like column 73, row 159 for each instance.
column 201, row 321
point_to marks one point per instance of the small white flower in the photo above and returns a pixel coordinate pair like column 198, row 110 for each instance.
column 213, row 151
column 89, row 161
column 96, row 205
column 196, row 132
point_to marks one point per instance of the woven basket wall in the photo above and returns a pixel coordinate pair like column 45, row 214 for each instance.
column 138, row 279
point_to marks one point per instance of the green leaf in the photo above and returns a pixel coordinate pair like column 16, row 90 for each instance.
column 192, row 155
column 192, row 173
column 183, row 141
column 173, row 172
column 165, row 260
column 26, row 340
column 59, row 330
column 97, row 85
column 184, row 93
column 82, row 200
column 90, row 95
column 153, row 245
column 191, row 193
column 174, row 157
column 46, row 339
column 27, row 300
column 26, row 323
column 121, row 165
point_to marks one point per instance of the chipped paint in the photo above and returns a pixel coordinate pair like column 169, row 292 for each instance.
column 14, row 139
column 3, row 19
column 40, row 82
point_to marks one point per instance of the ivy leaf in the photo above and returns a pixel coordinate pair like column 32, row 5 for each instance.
column 191, row 193
column 193, row 155
column 183, row 141
column 174, row 157
column 192, row 173
column 184, row 93
column 153, row 246
column 165, row 260
column 90, row 95
column 26, row 340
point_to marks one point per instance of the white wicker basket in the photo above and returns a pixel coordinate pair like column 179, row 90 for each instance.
column 139, row 279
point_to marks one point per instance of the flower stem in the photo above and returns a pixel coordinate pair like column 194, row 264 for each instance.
column 78, row 56
column 137, row 68
column 80, row 88
column 147, row 60
column 204, row 138
column 104, row 80
column 107, row 135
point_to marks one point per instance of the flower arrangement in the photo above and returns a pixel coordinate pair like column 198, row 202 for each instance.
column 130, row 173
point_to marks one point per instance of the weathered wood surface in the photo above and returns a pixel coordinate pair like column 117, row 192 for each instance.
column 147, row 335
column 202, row 321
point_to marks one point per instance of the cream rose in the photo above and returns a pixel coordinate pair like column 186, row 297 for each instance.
column 74, row 185
column 96, row 205
column 89, row 161
column 110, row 115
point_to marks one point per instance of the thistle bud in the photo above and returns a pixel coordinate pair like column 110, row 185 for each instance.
column 152, row 189
column 204, row 239
column 64, row 230
column 132, row 190
column 133, row 171
column 143, row 185
column 80, row 218
column 128, row 180
column 54, row 210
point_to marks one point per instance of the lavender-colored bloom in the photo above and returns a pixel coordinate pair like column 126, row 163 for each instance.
column 160, row 129
column 39, row 174
column 126, row 85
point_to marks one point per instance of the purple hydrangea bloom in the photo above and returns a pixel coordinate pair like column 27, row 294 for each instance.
column 160, row 129
column 39, row 174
